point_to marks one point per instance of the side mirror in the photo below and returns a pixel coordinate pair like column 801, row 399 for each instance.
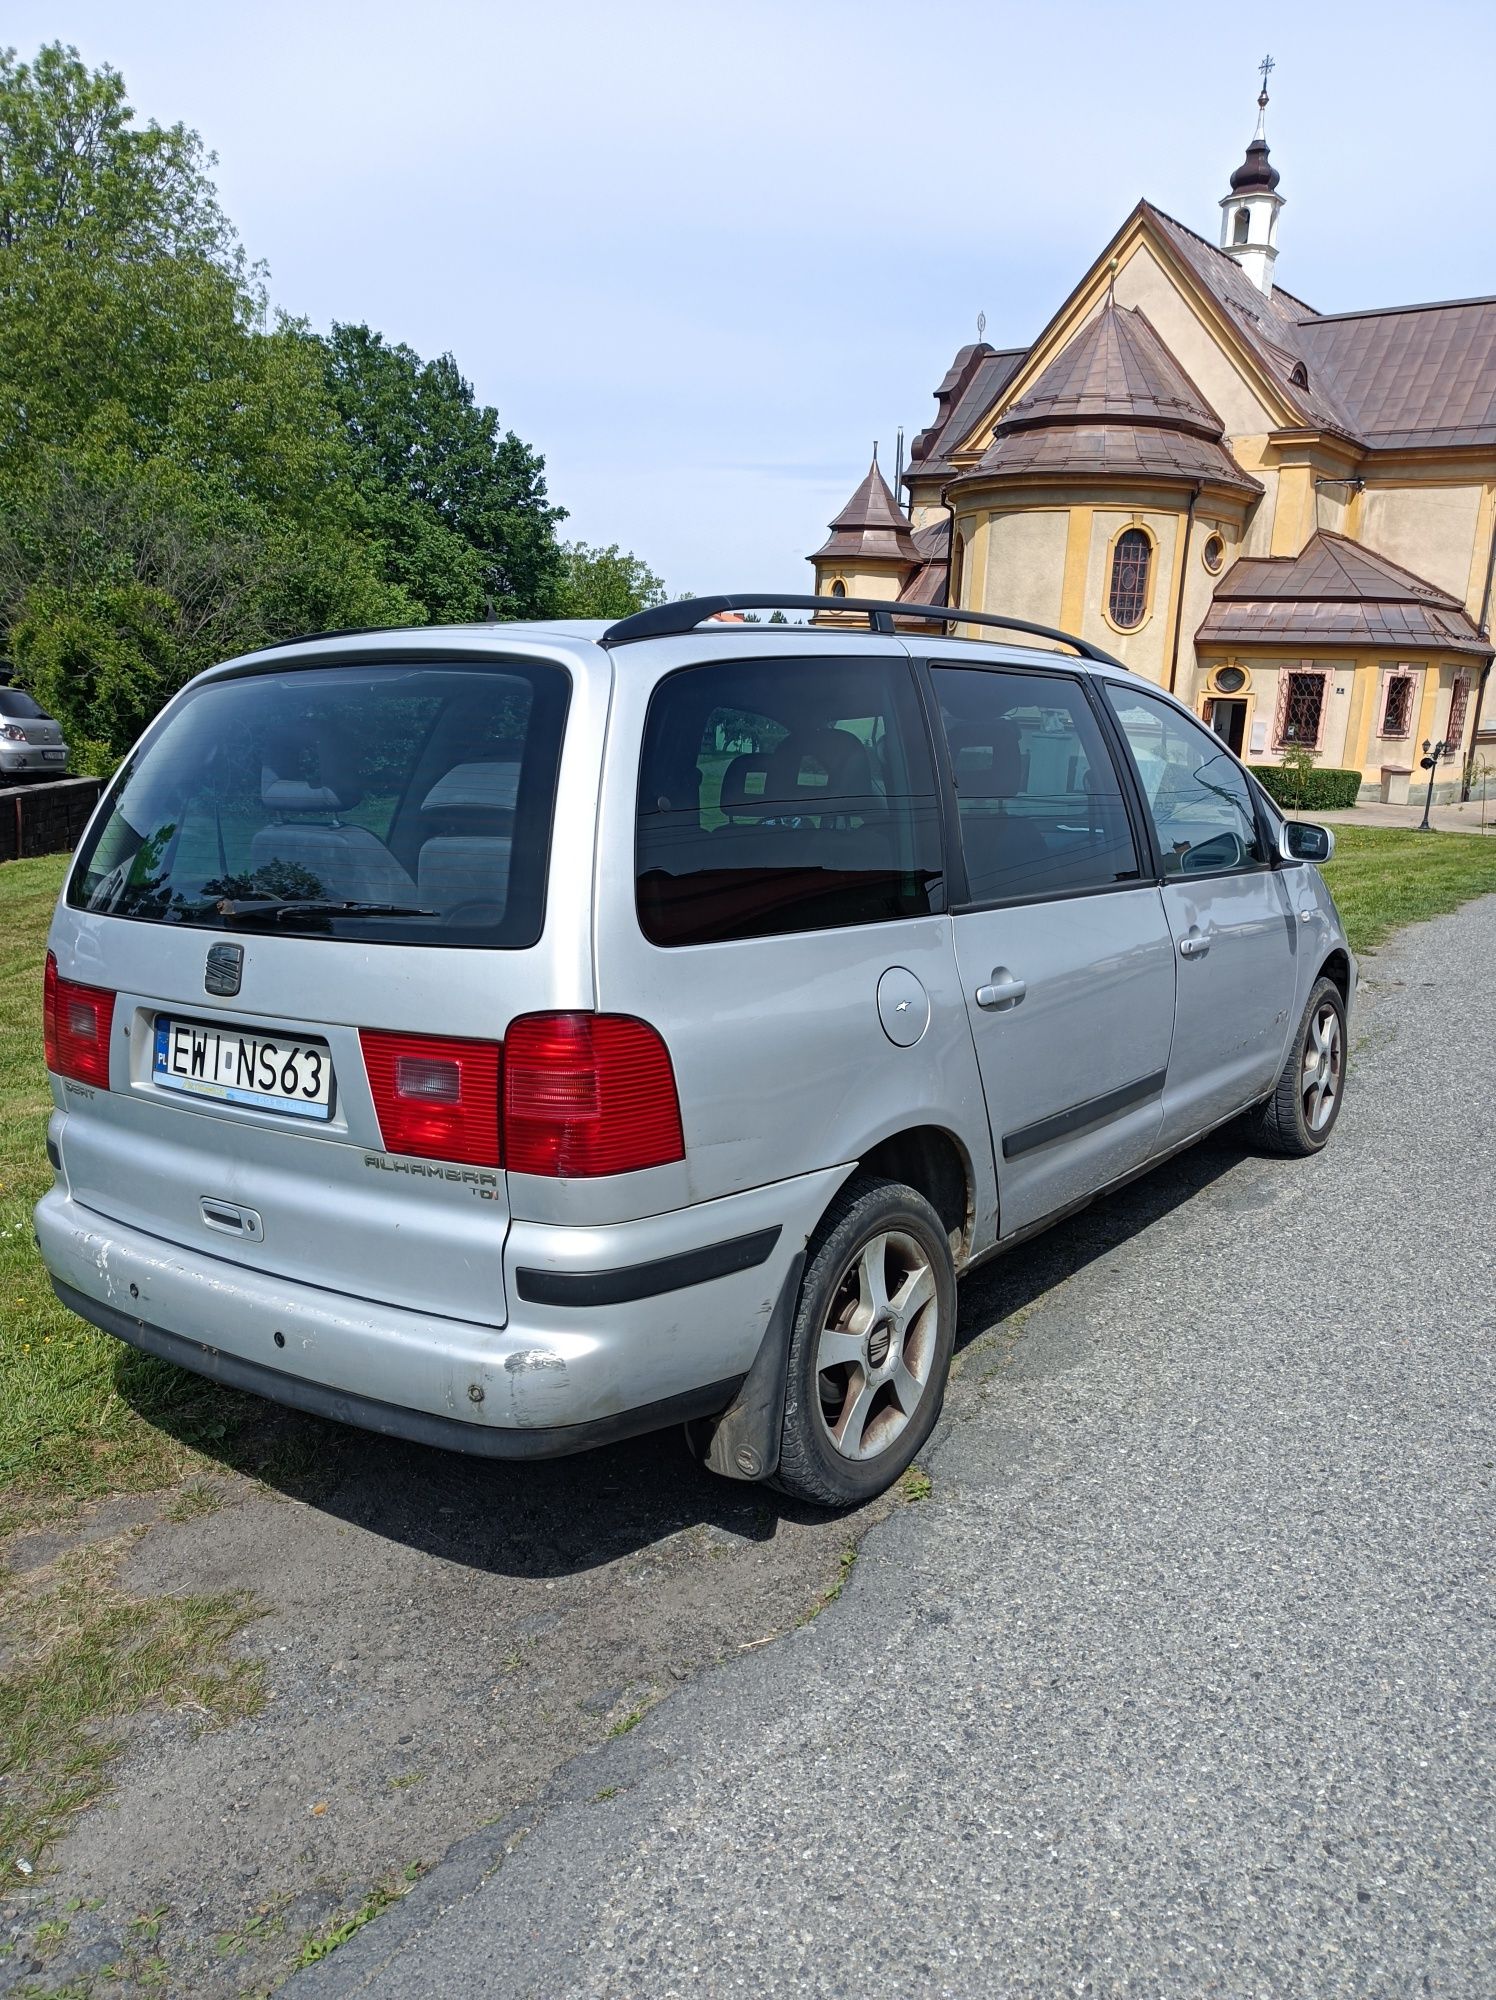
column 1302, row 841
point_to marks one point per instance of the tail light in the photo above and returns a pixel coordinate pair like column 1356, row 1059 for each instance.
column 588, row 1094
column 436, row 1097
column 76, row 1021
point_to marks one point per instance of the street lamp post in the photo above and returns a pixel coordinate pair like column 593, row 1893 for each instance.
column 1432, row 752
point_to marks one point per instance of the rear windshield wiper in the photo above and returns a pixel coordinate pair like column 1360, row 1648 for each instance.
column 279, row 908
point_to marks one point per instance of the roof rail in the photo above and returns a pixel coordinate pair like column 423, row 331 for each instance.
column 672, row 620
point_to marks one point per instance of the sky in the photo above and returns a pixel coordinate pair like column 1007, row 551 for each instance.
column 701, row 256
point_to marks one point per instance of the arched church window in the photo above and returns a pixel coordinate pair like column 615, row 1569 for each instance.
column 1241, row 224
column 1132, row 559
column 838, row 588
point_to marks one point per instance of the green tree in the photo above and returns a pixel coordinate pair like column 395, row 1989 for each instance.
column 174, row 476
column 604, row 583
column 458, row 506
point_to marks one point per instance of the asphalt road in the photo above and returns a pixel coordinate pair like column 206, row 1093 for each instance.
column 1178, row 1684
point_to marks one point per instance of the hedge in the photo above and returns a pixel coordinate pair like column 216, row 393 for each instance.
column 1320, row 790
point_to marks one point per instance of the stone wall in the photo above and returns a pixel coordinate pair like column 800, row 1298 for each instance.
column 45, row 818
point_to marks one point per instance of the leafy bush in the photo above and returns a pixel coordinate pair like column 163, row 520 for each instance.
column 1319, row 789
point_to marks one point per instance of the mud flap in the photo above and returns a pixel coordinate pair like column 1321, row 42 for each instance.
column 743, row 1443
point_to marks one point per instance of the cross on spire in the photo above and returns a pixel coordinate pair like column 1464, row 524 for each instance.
column 1265, row 69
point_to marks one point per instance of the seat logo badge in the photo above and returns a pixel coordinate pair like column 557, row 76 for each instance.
column 224, row 971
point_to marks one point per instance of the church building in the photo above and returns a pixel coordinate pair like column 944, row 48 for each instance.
column 1286, row 517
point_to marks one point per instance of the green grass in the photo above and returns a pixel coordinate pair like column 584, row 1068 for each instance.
column 82, row 1416
column 322, row 1944
column 1383, row 878
column 79, row 1653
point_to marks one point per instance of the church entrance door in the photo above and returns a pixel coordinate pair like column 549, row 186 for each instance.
column 1229, row 721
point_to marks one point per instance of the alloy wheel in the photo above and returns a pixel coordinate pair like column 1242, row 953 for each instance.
column 1323, row 1062
column 877, row 1345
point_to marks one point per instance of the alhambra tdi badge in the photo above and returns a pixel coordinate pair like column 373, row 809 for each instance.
column 224, row 971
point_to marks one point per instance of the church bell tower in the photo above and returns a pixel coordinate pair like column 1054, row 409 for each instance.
column 1249, row 214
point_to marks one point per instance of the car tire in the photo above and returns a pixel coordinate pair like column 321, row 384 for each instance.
column 870, row 1347
column 1299, row 1117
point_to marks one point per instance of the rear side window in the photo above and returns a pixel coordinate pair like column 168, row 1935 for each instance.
column 399, row 805
column 1037, row 793
column 785, row 795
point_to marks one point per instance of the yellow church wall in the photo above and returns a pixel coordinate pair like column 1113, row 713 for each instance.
column 1256, row 454
column 1145, row 647
column 1480, row 554
column 1021, row 563
column 1430, row 530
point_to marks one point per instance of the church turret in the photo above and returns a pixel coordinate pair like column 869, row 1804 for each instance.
column 871, row 551
column 1249, row 214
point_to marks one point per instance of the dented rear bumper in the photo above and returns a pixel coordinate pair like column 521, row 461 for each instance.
column 612, row 1330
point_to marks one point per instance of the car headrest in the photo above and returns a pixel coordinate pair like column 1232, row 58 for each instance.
column 744, row 782
column 988, row 758
column 488, row 787
column 814, row 764
column 285, row 787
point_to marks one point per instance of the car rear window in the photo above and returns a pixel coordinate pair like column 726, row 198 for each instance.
column 404, row 804
column 13, row 702
column 786, row 795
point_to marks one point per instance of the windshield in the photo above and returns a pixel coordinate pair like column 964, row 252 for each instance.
column 402, row 804
column 21, row 706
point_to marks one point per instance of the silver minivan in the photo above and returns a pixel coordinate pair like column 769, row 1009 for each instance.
column 514, row 1037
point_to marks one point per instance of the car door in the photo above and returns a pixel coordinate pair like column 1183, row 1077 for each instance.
column 1064, row 952
column 1228, row 911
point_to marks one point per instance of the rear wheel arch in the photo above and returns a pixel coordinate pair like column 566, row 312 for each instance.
column 935, row 1164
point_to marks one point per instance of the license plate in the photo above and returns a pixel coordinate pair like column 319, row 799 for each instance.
column 57, row 754
column 270, row 1072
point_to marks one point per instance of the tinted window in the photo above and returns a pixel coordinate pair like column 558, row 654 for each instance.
column 424, row 791
column 792, row 795
column 1039, row 801
column 1197, row 793
column 21, row 706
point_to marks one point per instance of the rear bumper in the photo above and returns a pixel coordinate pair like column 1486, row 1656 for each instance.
column 25, row 760
column 683, row 1302
column 419, row 1426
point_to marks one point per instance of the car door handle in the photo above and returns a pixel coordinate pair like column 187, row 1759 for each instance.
column 1193, row 945
column 1002, row 991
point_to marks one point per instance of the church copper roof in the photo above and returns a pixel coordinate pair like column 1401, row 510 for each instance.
column 928, row 583
column 1335, row 592
column 973, row 383
column 1115, row 370
column 1412, row 376
column 1113, row 402
column 870, row 527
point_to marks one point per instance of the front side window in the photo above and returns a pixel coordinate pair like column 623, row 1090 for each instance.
column 1037, row 794
column 1301, row 710
column 785, row 795
column 1198, row 796
column 1132, row 559
column 403, row 804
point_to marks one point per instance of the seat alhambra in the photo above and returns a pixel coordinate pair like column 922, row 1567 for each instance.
column 519, row 1036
